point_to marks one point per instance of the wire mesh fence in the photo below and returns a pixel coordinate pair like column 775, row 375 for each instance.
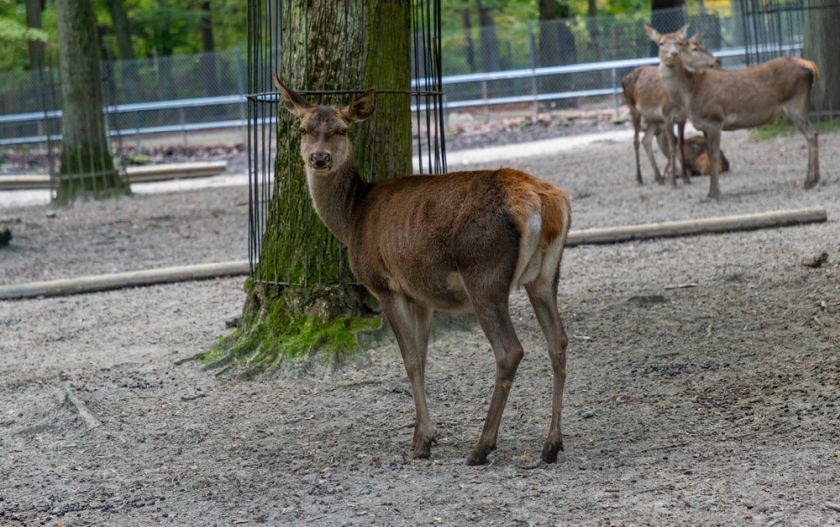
column 181, row 96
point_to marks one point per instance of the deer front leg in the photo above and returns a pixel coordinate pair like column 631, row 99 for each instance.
column 543, row 297
column 411, row 323
column 672, row 158
column 713, row 144
column 497, row 325
column 647, row 143
column 686, row 177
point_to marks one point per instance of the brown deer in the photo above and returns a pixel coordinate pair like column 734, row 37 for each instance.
column 647, row 98
column 732, row 100
column 697, row 157
column 456, row 242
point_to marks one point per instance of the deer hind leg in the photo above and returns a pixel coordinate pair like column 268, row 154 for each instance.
column 637, row 123
column 713, row 144
column 543, row 296
column 495, row 320
column 411, row 323
column 799, row 117
column 647, row 141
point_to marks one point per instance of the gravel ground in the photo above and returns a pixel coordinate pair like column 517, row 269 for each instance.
column 704, row 374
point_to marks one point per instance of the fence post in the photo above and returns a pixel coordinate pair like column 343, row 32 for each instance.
column 183, row 119
column 484, row 97
column 614, row 75
column 532, row 53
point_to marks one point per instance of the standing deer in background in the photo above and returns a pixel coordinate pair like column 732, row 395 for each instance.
column 456, row 242
column 647, row 98
column 732, row 100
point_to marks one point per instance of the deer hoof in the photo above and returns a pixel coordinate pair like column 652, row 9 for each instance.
column 423, row 448
column 479, row 456
column 811, row 183
column 550, row 450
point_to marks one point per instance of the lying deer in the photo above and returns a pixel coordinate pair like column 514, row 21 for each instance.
column 732, row 100
column 697, row 157
column 456, row 242
column 647, row 98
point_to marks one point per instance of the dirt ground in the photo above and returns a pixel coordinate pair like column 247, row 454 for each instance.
column 703, row 388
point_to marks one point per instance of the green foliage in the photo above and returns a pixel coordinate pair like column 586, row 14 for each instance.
column 782, row 127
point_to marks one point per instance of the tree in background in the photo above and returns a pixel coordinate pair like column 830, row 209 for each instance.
column 301, row 309
column 87, row 168
column 556, row 44
column 822, row 42
column 122, row 31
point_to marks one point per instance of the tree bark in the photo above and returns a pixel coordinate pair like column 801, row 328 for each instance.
column 302, row 272
column 121, row 29
column 208, row 59
column 468, row 41
column 86, row 163
column 822, row 42
column 33, row 20
column 489, row 42
column 556, row 46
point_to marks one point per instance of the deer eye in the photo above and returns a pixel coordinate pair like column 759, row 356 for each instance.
column 341, row 132
column 303, row 131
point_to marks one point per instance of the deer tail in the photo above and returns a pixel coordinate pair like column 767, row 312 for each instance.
column 813, row 68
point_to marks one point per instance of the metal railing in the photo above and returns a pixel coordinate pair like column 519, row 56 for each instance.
column 613, row 67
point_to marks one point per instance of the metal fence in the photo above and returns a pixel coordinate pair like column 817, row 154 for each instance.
column 552, row 63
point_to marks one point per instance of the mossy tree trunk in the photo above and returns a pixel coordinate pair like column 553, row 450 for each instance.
column 302, row 296
column 86, row 164
column 822, row 42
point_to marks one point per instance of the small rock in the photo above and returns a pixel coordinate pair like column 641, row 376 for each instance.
column 815, row 260
column 50, row 214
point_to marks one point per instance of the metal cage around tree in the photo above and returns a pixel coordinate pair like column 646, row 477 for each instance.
column 274, row 167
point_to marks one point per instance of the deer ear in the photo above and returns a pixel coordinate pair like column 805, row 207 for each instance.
column 361, row 108
column 683, row 31
column 696, row 37
column 294, row 102
column 652, row 34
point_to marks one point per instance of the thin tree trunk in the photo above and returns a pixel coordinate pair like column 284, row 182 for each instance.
column 822, row 42
column 468, row 41
column 121, row 29
column 208, row 59
column 489, row 42
column 86, row 164
column 33, row 20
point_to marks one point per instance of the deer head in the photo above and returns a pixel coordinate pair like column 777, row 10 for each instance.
column 675, row 48
column 324, row 144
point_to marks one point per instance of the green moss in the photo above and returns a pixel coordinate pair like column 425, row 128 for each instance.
column 783, row 127
column 281, row 325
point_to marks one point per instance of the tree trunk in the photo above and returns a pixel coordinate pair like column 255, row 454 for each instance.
column 556, row 47
column 489, row 42
column 33, row 20
column 665, row 18
column 121, row 30
column 468, row 41
column 86, row 164
column 822, row 42
column 209, row 77
column 302, row 289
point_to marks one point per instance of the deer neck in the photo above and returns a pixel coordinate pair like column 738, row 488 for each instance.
column 336, row 196
column 677, row 82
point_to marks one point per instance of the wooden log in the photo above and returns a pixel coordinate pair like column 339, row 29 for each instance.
column 741, row 222
column 135, row 174
column 90, row 284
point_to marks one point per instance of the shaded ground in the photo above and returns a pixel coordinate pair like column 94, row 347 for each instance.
column 703, row 387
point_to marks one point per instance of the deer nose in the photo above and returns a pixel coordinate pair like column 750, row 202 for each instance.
column 320, row 160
